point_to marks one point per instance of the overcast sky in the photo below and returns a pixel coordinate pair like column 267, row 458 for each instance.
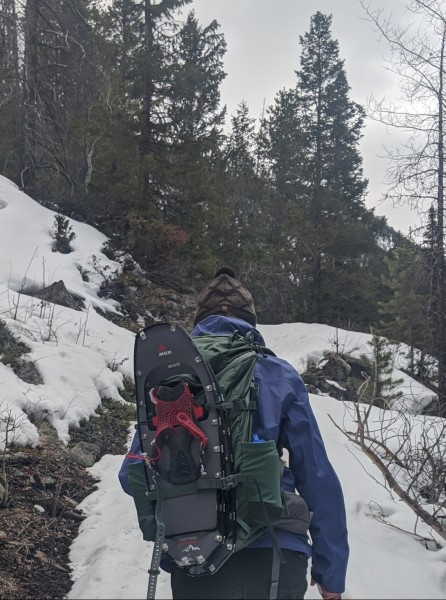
column 263, row 53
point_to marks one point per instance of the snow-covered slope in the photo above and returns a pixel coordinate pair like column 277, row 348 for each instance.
column 76, row 352
column 83, row 357
column 299, row 342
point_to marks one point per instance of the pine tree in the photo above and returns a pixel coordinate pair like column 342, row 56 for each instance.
column 171, row 75
column 239, row 150
column 242, row 185
column 382, row 388
column 330, row 124
column 144, row 35
column 194, row 110
column 194, row 120
column 155, row 62
column 251, row 237
column 310, row 137
column 330, row 121
column 283, row 146
column 405, row 312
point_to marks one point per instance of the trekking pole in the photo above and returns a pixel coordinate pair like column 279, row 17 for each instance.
column 154, row 570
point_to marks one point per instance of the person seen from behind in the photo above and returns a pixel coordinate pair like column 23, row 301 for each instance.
column 284, row 415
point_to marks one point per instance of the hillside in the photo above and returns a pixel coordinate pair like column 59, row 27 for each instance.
column 60, row 364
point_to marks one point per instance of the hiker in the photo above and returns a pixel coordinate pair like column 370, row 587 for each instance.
column 283, row 415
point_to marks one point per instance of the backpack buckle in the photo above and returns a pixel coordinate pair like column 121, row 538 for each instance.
column 228, row 482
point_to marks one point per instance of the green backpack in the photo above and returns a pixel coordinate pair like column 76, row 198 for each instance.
column 205, row 487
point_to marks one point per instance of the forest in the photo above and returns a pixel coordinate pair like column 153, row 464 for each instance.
column 112, row 114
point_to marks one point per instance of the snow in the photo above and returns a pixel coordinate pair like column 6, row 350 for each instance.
column 83, row 357
column 76, row 352
column 300, row 343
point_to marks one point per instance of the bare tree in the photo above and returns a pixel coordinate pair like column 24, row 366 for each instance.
column 30, row 64
column 10, row 88
column 9, row 45
column 410, row 452
column 417, row 168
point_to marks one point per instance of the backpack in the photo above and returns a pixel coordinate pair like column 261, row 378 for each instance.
column 204, row 486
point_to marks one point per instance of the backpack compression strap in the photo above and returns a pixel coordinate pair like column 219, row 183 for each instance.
column 154, row 570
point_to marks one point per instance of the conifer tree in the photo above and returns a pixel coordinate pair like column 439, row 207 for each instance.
column 194, row 120
column 283, row 147
column 239, row 149
column 143, row 35
column 251, row 237
column 241, row 181
column 311, row 138
column 405, row 313
column 331, row 122
column 194, row 110
column 382, row 387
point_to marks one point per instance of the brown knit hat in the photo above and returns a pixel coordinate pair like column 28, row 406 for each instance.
column 226, row 296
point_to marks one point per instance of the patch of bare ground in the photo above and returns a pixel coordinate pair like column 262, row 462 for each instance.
column 40, row 521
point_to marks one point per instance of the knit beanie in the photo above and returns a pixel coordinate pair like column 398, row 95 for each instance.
column 226, row 296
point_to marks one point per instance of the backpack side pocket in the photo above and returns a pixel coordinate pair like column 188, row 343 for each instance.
column 259, row 502
column 296, row 516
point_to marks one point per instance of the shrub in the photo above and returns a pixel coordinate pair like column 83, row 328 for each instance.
column 63, row 234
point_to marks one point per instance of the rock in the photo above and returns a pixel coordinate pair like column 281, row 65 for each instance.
column 311, row 377
column 47, row 431
column 330, row 378
column 336, row 368
column 57, row 293
column 358, row 368
column 341, row 392
column 70, row 502
column 311, row 389
column 85, row 454
column 43, row 482
column 18, row 457
column 18, row 473
column 27, row 371
column 432, row 409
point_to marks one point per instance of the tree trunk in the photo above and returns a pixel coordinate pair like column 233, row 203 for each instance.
column 146, row 146
column 30, row 93
column 440, row 247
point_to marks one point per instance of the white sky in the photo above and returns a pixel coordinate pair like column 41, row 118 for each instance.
column 75, row 352
column 263, row 53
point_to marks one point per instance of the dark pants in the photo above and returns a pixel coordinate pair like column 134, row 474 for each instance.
column 245, row 576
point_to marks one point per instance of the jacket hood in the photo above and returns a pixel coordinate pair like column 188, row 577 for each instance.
column 219, row 325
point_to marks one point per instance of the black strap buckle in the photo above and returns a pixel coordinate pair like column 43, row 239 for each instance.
column 228, row 482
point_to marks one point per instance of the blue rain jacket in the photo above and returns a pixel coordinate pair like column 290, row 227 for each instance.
column 284, row 415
